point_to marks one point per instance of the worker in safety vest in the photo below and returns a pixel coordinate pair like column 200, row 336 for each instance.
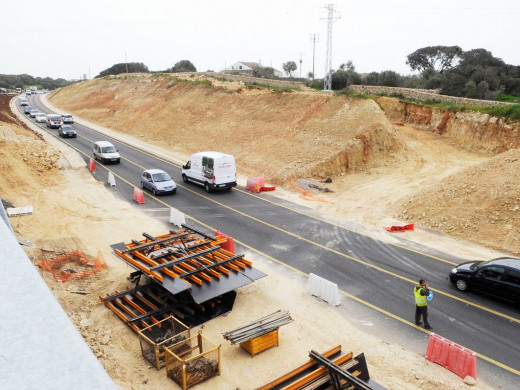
column 421, row 292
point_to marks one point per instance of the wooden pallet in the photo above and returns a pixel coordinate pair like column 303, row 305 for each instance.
column 261, row 343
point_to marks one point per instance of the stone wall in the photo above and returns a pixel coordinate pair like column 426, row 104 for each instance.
column 423, row 94
column 252, row 80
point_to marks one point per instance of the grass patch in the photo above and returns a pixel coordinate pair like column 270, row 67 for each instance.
column 176, row 80
column 502, row 97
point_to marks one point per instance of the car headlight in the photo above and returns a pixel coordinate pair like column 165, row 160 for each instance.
column 454, row 271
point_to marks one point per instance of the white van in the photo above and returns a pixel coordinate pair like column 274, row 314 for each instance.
column 213, row 170
column 106, row 152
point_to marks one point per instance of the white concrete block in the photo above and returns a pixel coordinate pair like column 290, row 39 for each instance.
column 13, row 211
column 323, row 289
column 177, row 217
column 111, row 179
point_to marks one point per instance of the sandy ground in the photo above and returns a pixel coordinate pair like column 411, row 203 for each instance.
column 70, row 205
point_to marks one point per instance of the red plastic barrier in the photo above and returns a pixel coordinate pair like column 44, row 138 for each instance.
column 267, row 189
column 451, row 356
column 252, row 185
column 229, row 245
column 400, row 228
column 255, row 183
column 91, row 165
column 138, row 196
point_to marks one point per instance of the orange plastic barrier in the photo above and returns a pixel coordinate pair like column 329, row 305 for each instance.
column 451, row 356
column 254, row 184
column 91, row 165
column 267, row 189
column 400, row 228
column 139, row 196
column 229, row 245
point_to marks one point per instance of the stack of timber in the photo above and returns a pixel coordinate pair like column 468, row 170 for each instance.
column 259, row 327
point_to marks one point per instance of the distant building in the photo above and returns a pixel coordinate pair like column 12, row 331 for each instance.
column 249, row 69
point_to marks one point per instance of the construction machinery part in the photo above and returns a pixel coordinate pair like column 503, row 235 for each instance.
column 316, row 373
column 188, row 260
column 150, row 303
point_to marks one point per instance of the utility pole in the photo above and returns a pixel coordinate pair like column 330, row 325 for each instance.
column 126, row 63
column 314, row 39
column 301, row 54
column 327, row 80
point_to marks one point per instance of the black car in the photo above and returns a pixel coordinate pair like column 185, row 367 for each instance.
column 27, row 109
column 67, row 131
column 498, row 277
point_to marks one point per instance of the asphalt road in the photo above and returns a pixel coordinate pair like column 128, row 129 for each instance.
column 373, row 274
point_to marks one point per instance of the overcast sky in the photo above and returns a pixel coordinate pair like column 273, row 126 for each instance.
column 69, row 38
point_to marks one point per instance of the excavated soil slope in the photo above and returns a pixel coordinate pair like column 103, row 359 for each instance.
column 278, row 135
column 390, row 162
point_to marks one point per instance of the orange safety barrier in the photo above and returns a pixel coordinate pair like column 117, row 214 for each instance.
column 78, row 265
column 400, row 228
column 451, row 356
column 229, row 245
column 267, row 189
column 91, row 165
column 139, row 196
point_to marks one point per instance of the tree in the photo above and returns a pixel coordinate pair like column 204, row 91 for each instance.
column 310, row 75
column 289, row 67
column 183, row 66
column 438, row 58
column 264, row 72
column 123, row 67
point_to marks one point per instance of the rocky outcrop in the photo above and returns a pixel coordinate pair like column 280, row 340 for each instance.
column 470, row 130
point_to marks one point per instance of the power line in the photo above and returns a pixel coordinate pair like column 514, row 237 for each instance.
column 327, row 80
column 314, row 39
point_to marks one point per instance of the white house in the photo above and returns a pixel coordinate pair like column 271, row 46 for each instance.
column 248, row 68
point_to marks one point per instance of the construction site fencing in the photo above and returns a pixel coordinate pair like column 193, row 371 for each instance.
column 156, row 337
column 192, row 361
column 73, row 265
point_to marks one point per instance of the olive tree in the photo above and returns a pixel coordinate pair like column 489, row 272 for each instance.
column 289, row 67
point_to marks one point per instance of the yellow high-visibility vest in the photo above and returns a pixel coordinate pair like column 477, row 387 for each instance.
column 420, row 300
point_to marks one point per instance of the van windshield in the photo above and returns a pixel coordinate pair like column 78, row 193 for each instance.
column 108, row 149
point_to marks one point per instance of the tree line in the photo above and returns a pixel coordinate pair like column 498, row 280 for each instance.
column 450, row 70
column 473, row 74
column 24, row 81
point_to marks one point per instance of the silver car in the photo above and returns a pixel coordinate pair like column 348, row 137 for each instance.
column 158, row 181
column 41, row 117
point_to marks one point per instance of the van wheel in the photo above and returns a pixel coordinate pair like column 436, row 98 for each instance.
column 461, row 284
column 185, row 178
column 207, row 187
column 154, row 192
column 142, row 185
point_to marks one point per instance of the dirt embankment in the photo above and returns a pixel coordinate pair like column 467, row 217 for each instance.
column 471, row 131
column 403, row 164
column 304, row 134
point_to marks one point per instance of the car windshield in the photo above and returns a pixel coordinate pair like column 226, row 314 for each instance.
column 55, row 118
column 162, row 176
column 65, row 128
column 108, row 149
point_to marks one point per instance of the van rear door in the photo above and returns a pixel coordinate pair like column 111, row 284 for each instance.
column 224, row 170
